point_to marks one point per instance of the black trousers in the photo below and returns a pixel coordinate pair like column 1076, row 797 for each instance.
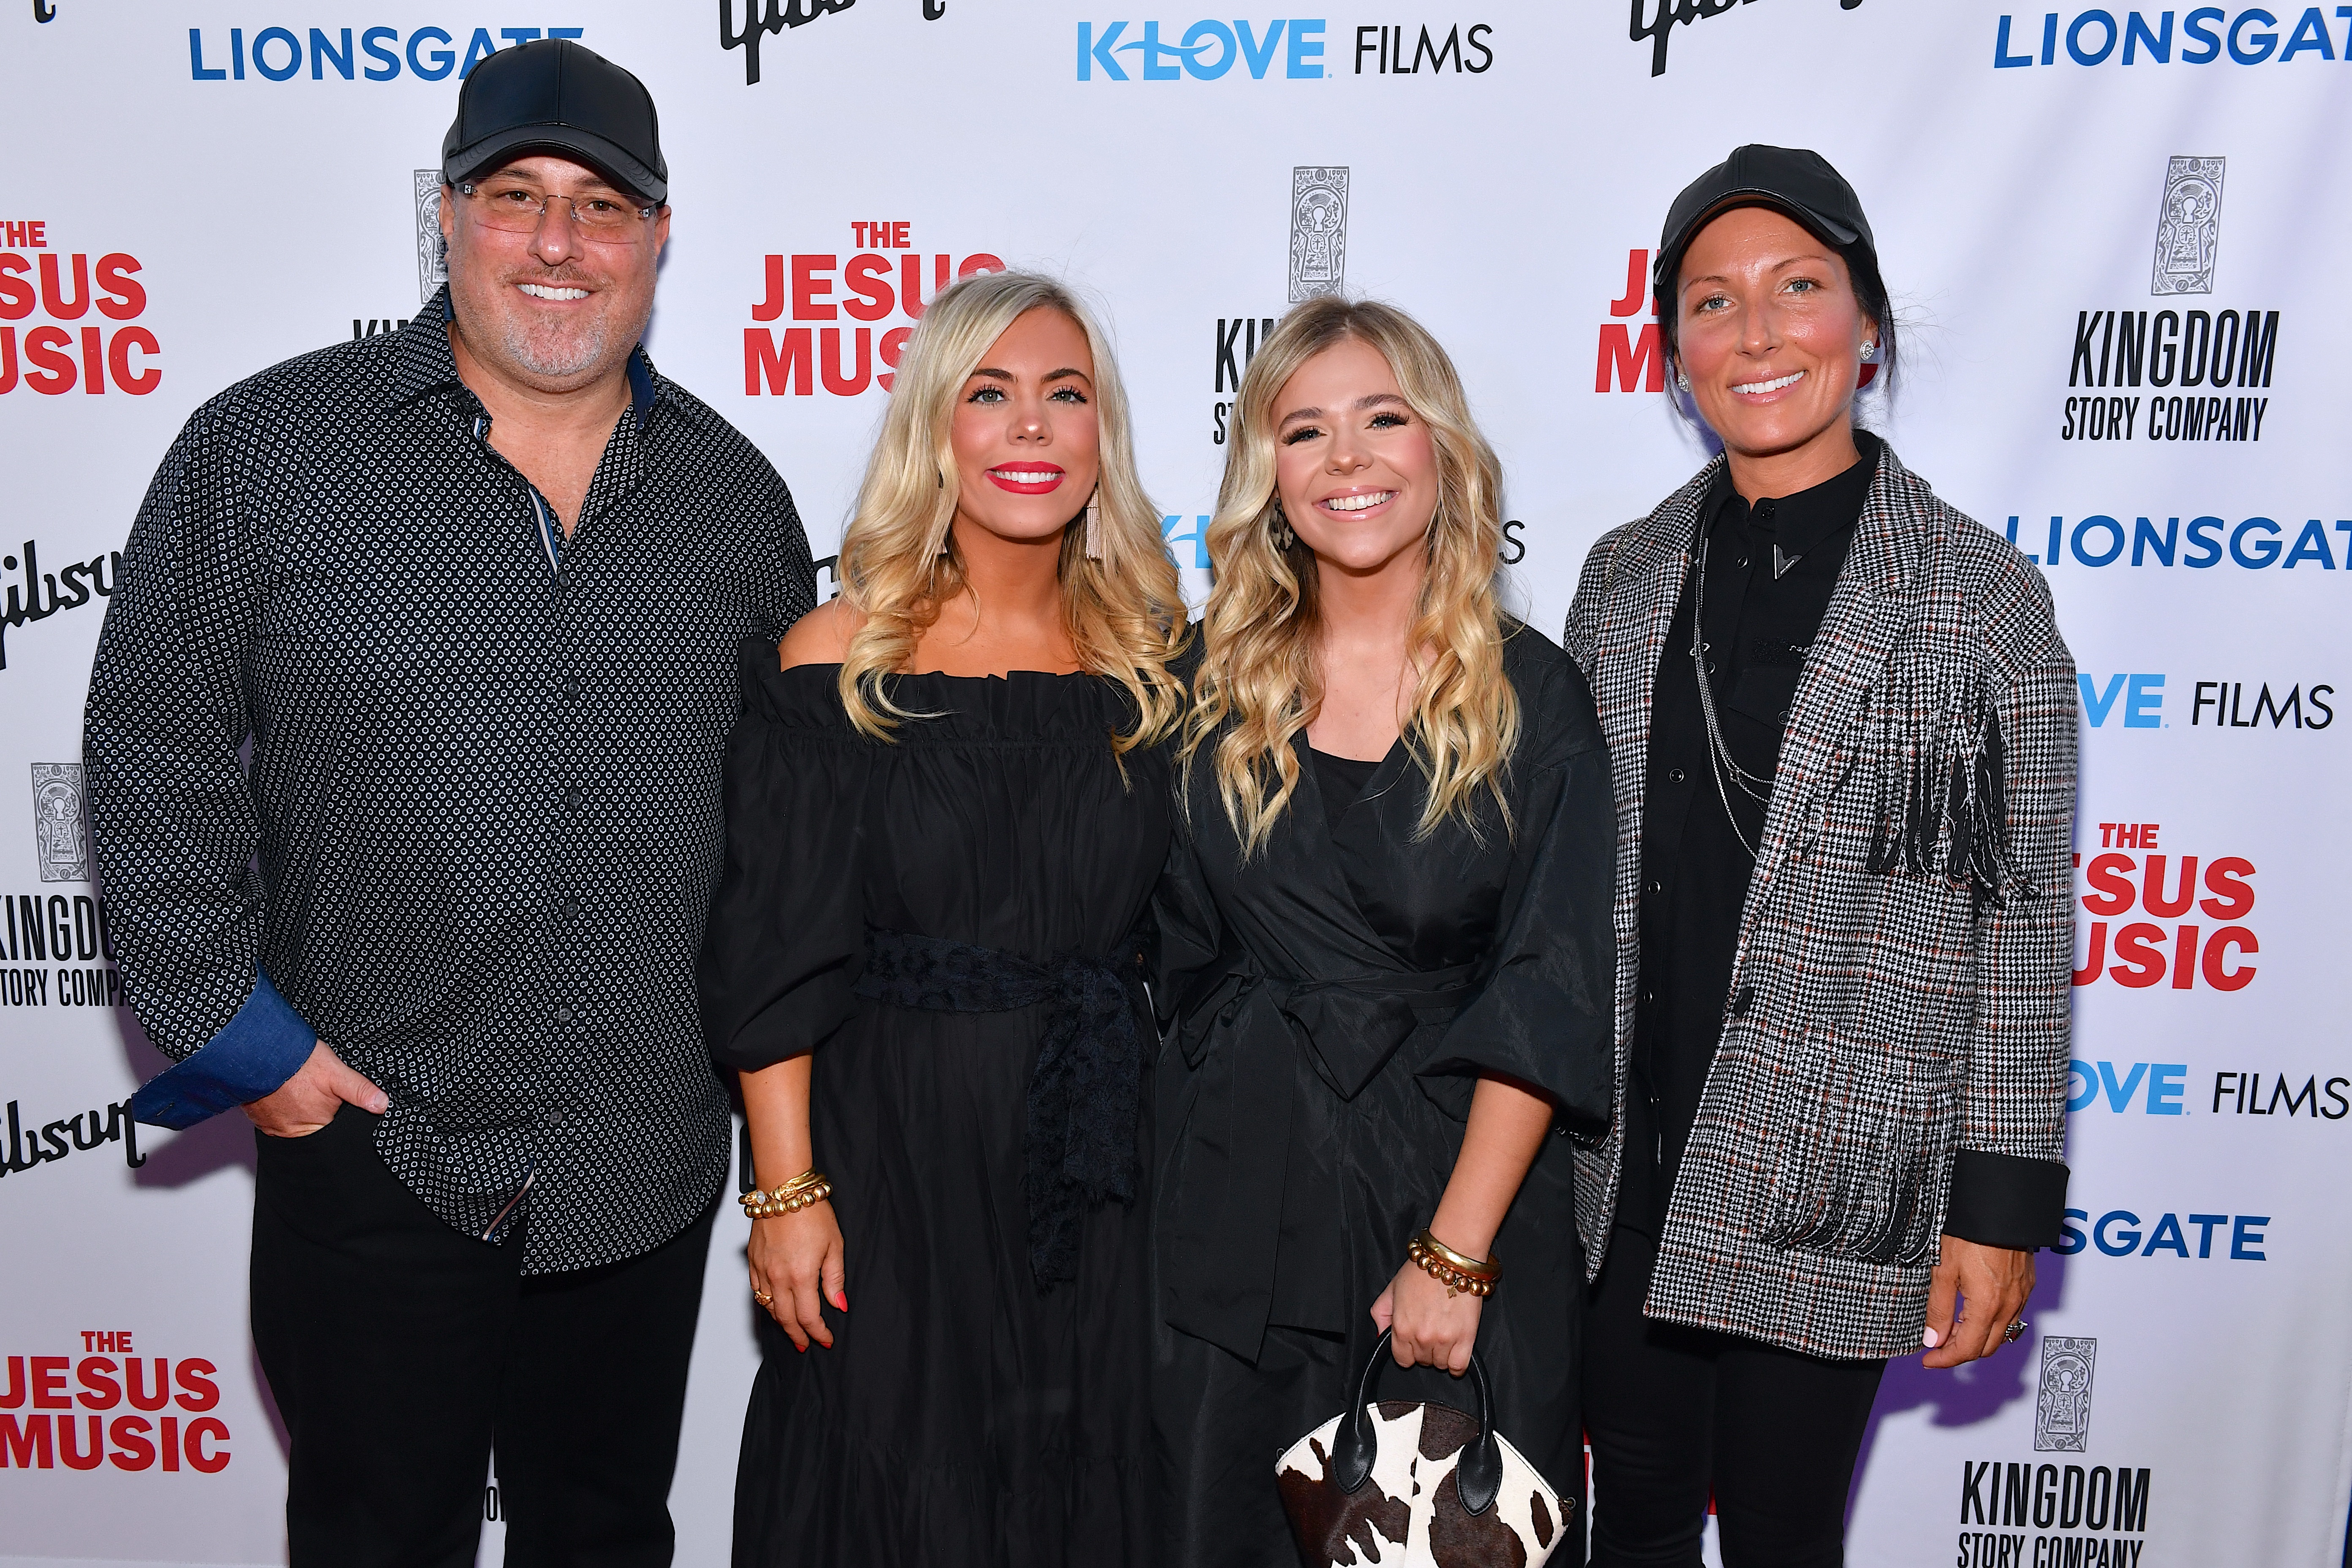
column 401, row 1354
column 1677, row 1414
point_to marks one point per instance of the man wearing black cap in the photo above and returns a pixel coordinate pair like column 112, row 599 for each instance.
column 468, row 597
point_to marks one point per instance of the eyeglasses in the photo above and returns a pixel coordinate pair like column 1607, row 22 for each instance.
column 519, row 209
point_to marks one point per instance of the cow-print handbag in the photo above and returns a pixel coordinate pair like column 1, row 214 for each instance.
column 1419, row 1485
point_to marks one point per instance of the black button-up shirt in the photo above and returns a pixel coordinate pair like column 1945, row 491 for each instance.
column 1771, row 569
column 474, row 845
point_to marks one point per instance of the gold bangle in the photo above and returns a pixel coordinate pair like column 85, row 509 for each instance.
column 1476, row 1268
column 1455, row 1281
column 802, row 1191
column 806, row 1179
column 1456, row 1271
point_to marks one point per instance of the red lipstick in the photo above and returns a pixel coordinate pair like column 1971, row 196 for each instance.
column 1035, row 478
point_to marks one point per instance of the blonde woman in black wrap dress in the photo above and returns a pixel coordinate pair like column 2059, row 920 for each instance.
column 1385, row 944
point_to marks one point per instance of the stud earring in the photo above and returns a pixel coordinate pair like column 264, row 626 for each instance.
column 1869, row 353
column 1093, row 525
column 1284, row 537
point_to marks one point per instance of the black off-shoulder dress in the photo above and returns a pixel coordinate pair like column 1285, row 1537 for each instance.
column 965, row 1415
column 1334, row 1001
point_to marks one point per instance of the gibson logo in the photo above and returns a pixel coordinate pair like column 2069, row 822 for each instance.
column 1656, row 20
column 43, row 593
column 774, row 15
column 55, row 1140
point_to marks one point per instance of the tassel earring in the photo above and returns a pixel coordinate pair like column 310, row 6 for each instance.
column 1093, row 525
column 1284, row 537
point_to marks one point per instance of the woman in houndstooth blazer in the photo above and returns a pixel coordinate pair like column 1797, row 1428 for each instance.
column 1841, row 725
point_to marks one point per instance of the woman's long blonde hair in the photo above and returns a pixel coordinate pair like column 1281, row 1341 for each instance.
column 1259, row 684
column 1124, row 613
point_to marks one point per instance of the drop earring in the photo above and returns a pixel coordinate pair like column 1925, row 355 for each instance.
column 1681, row 378
column 1093, row 525
column 1283, row 538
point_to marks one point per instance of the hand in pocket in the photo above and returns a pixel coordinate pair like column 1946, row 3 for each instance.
column 309, row 1101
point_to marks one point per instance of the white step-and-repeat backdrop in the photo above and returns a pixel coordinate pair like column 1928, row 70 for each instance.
column 2117, row 240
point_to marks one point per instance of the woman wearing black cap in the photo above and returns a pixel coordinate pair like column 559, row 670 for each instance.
column 1842, row 723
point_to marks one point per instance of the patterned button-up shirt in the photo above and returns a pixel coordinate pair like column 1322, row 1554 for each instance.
column 473, row 843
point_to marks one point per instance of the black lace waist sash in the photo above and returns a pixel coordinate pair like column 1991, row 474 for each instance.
column 1084, row 1094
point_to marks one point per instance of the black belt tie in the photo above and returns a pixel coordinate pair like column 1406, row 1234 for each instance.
column 1086, row 1091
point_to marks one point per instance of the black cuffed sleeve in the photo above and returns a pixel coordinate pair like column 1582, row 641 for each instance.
column 2005, row 1200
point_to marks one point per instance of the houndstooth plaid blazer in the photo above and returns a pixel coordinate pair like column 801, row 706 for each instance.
column 1901, row 986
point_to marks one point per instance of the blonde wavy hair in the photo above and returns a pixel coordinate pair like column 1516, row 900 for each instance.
column 1124, row 613
column 1259, row 684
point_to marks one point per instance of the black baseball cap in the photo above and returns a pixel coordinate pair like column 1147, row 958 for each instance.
column 1790, row 180
column 552, row 95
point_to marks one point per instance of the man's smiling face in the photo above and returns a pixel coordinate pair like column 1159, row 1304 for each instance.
column 551, row 307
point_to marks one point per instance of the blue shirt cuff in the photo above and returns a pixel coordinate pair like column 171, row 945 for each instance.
column 257, row 1051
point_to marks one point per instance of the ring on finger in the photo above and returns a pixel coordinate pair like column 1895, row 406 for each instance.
column 2014, row 1332
column 763, row 1298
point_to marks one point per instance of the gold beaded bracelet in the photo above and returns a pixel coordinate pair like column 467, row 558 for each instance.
column 1455, row 1270
column 803, row 1191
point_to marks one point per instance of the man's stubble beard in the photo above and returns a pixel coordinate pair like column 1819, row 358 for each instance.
column 557, row 355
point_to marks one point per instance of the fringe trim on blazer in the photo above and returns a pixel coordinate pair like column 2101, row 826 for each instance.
column 1951, row 820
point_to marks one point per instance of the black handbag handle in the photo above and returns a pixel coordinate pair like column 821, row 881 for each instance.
column 1477, row 1473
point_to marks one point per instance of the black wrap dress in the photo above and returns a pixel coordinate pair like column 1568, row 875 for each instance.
column 1333, row 1003
column 933, row 918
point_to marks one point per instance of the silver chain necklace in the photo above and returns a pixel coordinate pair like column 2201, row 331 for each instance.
column 1755, row 786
